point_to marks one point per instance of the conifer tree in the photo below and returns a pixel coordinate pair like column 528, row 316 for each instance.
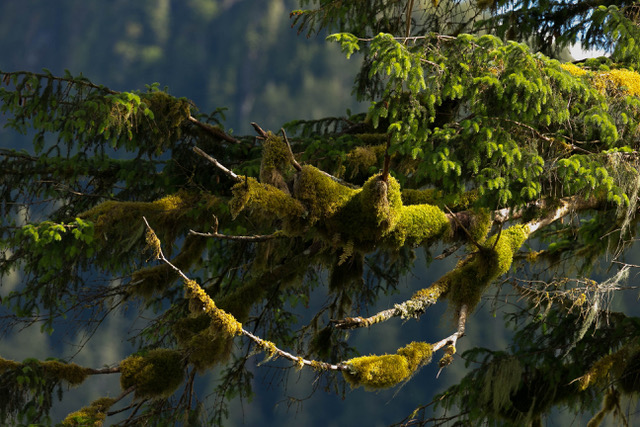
column 475, row 138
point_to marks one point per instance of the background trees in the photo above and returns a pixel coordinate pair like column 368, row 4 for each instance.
column 473, row 146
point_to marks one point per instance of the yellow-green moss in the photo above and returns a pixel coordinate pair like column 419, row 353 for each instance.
column 362, row 159
column 122, row 221
column 220, row 320
column 276, row 162
column 377, row 372
column 92, row 415
column 6, row 365
column 157, row 374
column 321, row 195
column 267, row 202
column 418, row 224
column 468, row 281
column 69, row 372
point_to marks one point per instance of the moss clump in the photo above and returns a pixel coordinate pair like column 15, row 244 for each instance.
column 6, row 365
column 203, row 345
column 276, row 164
column 157, row 374
column 362, row 159
column 377, row 372
column 268, row 202
column 322, row 196
column 92, row 415
column 418, row 224
column 69, row 372
column 468, row 281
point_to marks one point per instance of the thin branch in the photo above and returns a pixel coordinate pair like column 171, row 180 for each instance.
column 294, row 162
column 243, row 238
column 267, row 346
column 219, row 133
column 457, row 221
column 219, row 165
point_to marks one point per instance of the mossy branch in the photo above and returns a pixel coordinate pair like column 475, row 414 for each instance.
column 216, row 132
column 225, row 320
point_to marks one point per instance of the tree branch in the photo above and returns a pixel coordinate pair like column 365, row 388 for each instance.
column 219, row 165
column 219, row 133
column 267, row 346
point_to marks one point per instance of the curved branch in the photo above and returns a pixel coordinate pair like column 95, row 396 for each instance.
column 265, row 345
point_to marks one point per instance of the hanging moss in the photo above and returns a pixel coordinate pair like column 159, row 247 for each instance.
column 468, row 281
column 203, row 345
column 157, row 374
column 377, row 372
column 92, row 415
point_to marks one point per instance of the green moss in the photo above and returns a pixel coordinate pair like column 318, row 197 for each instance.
column 322, row 196
column 418, row 224
column 157, row 374
column 92, row 415
column 377, row 372
column 69, row 372
column 6, row 365
column 362, row 159
column 276, row 163
column 468, row 281
column 268, row 203
column 203, row 346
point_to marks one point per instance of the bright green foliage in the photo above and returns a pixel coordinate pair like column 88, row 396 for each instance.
column 475, row 141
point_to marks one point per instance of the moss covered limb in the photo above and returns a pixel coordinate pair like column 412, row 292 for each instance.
column 156, row 374
column 377, row 372
column 92, row 415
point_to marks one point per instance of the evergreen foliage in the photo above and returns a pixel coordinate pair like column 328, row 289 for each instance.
column 475, row 137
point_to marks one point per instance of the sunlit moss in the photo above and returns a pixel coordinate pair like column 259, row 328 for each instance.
column 610, row 366
column 220, row 320
column 468, row 281
column 362, row 159
column 267, row 202
column 377, row 372
column 321, row 195
column 157, row 374
column 418, row 224
column 92, row 415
